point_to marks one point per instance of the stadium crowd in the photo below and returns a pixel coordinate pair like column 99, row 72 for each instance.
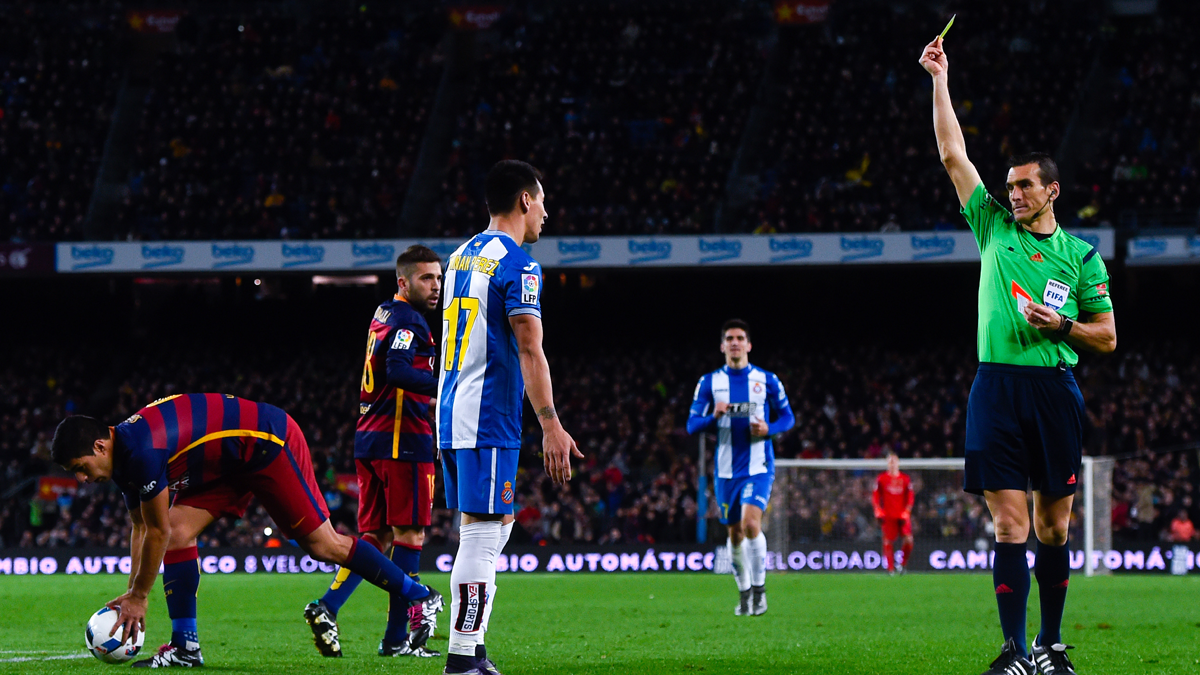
column 860, row 154
column 59, row 74
column 268, row 126
column 626, row 411
column 273, row 123
column 632, row 110
column 1150, row 157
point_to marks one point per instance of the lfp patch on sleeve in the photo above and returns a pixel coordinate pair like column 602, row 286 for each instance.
column 1055, row 295
column 529, row 288
column 403, row 339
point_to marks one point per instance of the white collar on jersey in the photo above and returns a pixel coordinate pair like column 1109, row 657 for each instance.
column 492, row 231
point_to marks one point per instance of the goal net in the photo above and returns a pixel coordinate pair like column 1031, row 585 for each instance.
column 821, row 519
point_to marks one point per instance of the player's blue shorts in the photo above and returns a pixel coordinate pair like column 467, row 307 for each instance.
column 482, row 480
column 1024, row 428
column 731, row 493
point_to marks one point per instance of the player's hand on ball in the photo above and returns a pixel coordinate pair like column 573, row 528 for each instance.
column 933, row 59
column 719, row 409
column 759, row 428
column 557, row 448
column 131, row 615
column 1042, row 317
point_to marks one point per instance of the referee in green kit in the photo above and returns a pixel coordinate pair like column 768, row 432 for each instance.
column 1043, row 294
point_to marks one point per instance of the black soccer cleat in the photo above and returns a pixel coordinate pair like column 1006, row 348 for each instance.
column 170, row 656
column 324, row 628
column 743, row 606
column 758, row 600
column 403, row 648
column 488, row 668
column 422, row 618
column 1010, row 662
column 1053, row 660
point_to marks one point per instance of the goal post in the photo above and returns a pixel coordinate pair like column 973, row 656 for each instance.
column 823, row 506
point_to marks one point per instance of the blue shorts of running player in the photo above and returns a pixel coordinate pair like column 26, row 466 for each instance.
column 482, row 480
column 731, row 493
column 1024, row 429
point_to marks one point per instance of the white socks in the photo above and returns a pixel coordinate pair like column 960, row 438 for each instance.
column 756, row 551
column 741, row 567
column 505, row 533
column 472, row 582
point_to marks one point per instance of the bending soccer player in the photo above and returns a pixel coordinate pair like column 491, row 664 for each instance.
column 393, row 448
column 737, row 401
column 893, row 502
column 1043, row 293
column 213, row 453
column 492, row 336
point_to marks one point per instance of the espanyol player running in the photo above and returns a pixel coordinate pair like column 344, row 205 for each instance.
column 186, row 460
column 492, row 350
column 737, row 401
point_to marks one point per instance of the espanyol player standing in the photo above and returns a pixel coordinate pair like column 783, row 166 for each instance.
column 492, row 350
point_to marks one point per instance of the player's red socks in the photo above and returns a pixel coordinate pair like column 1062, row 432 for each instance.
column 906, row 549
column 1053, row 570
column 889, row 554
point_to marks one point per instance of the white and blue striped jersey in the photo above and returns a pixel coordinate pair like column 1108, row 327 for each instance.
column 480, row 390
column 751, row 393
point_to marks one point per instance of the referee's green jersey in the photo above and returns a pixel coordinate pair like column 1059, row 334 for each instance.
column 1060, row 271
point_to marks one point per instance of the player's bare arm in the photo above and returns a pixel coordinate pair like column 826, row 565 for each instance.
column 1097, row 333
column 133, row 604
column 952, row 147
column 137, row 535
column 557, row 444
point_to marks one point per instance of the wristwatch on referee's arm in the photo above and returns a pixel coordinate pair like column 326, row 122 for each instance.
column 1064, row 327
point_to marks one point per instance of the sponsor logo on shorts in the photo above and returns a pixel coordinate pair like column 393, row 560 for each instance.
column 506, row 495
column 1071, row 480
column 150, row 486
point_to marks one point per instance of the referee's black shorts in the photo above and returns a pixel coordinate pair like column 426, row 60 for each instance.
column 1024, row 428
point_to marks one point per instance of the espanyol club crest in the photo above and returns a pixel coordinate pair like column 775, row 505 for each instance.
column 758, row 387
column 506, row 495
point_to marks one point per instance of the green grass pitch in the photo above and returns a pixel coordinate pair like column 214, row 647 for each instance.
column 639, row 623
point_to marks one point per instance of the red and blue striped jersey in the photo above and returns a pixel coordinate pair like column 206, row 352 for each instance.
column 186, row 440
column 397, row 386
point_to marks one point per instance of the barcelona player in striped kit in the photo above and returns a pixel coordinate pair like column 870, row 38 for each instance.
column 737, row 401
column 492, row 352
column 393, row 448
column 186, row 460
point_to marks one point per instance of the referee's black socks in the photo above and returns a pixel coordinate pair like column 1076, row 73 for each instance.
column 1053, row 570
column 1010, row 577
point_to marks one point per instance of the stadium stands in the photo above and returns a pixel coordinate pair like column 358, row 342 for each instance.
column 269, row 126
column 59, row 74
column 852, row 148
column 633, row 110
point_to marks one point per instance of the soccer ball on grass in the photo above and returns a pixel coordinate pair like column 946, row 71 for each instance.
column 114, row 648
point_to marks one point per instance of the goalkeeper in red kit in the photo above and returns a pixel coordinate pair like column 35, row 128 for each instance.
column 893, row 501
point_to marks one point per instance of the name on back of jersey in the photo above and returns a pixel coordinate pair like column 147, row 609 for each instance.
column 473, row 263
column 746, row 409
